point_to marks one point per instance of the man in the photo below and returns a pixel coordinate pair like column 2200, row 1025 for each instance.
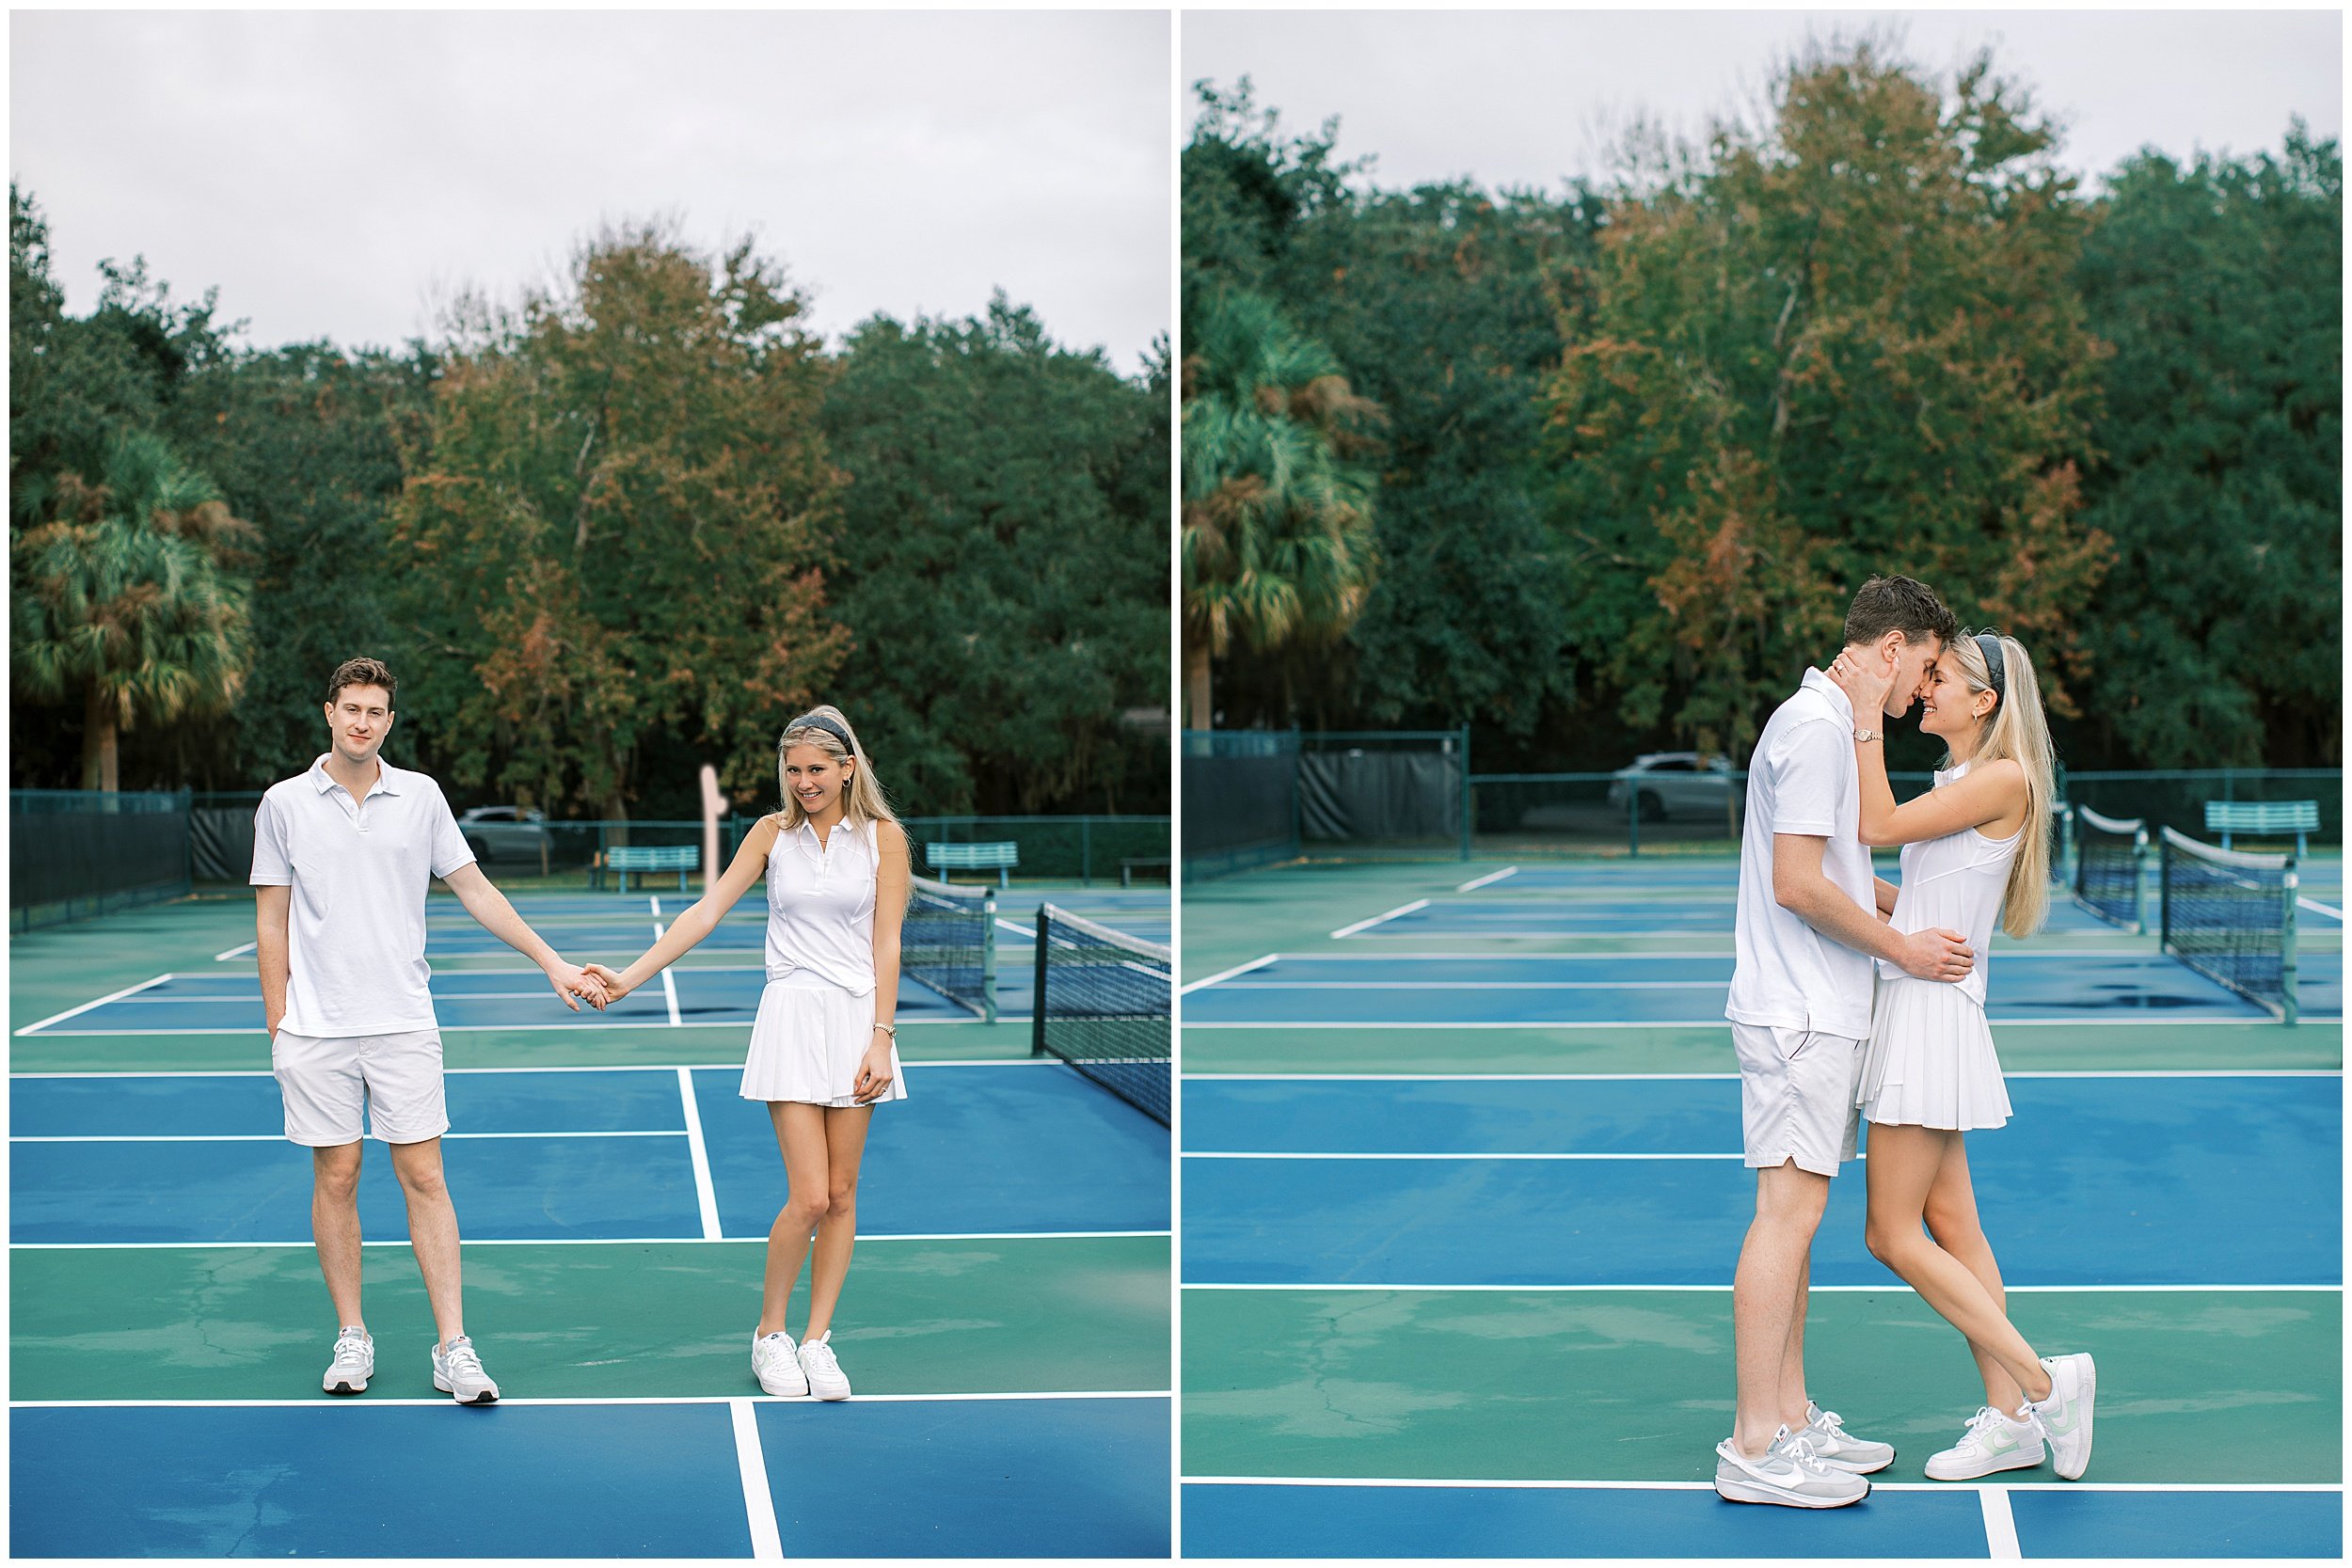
column 1800, row 1011
column 343, row 857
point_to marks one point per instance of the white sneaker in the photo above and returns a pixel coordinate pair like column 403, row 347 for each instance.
column 1788, row 1474
column 776, row 1366
column 1840, row 1450
column 457, row 1372
column 2065, row 1416
column 1994, row 1441
column 354, row 1363
column 825, row 1378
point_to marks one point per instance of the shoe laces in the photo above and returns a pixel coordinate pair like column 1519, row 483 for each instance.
column 1981, row 1425
column 819, row 1353
column 459, row 1357
column 350, row 1347
column 1799, row 1445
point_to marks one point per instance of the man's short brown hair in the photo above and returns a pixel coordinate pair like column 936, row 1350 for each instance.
column 361, row 671
column 1897, row 604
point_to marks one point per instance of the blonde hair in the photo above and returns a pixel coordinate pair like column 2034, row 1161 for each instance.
column 2017, row 730
column 863, row 800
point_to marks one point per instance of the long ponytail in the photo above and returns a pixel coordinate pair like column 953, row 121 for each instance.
column 2018, row 730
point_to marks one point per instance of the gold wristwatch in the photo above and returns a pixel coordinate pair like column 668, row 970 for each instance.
column 1861, row 734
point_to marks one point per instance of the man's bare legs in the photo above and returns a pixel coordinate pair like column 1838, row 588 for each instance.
column 335, row 1225
column 432, row 1232
column 1768, row 1302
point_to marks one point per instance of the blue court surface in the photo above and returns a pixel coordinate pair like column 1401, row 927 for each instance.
column 568, row 1155
column 1918, row 1521
column 2035, row 985
column 1029, row 1476
column 2249, row 1190
column 1705, row 912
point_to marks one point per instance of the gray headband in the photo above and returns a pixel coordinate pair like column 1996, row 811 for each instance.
column 818, row 721
column 1988, row 644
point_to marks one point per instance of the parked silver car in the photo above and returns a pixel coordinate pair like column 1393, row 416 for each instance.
column 506, row 834
column 1675, row 783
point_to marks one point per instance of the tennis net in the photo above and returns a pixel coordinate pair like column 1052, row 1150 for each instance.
column 1105, row 1005
column 2108, row 858
column 948, row 943
column 2231, row 915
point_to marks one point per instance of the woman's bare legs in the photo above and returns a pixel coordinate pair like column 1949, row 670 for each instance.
column 836, row 1232
column 801, row 1137
column 1951, row 1219
column 1903, row 1166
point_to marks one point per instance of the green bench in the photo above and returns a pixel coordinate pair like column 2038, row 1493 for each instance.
column 2265, row 819
column 622, row 859
column 999, row 858
column 1133, row 864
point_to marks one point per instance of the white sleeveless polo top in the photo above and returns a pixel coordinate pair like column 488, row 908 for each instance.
column 1956, row 882
column 820, row 905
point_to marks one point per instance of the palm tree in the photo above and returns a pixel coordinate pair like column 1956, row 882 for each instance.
column 1278, row 547
column 121, row 597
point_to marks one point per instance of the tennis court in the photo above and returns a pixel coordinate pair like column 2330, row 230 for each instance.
column 1006, row 1322
column 1463, row 1196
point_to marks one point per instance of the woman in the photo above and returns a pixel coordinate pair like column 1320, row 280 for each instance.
column 1975, row 847
column 823, row 1047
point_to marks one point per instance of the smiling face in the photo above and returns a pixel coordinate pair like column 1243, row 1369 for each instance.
column 1949, row 710
column 356, row 723
column 815, row 778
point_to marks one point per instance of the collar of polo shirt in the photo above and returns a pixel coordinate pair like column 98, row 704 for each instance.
column 387, row 777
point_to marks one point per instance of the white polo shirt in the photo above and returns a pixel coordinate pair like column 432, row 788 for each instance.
column 1802, row 780
column 360, row 870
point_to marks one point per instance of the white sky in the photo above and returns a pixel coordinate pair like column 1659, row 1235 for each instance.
column 342, row 174
column 1530, row 98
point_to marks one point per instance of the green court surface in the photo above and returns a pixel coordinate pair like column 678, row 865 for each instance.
column 1635, row 1385
column 1012, row 1352
column 588, row 1320
column 1451, row 1389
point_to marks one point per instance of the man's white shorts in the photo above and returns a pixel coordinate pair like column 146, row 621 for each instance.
column 1797, row 1096
column 392, row 1082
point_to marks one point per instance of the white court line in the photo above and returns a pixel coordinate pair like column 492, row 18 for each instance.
column 110, row 996
column 1702, row 1077
column 2323, row 908
column 706, row 1196
column 2000, row 1524
column 2008, row 954
column 746, row 1400
column 236, row 952
column 759, row 1504
column 743, row 1023
column 1488, row 880
column 1891, row 1286
column 1258, row 962
column 1367, row 925
column 1479, row 985
column 1552, row 1485
column 1353, row 1154
column 281, row 1137
column 615, row 1067
column 1028, row 932
column 617, row 1241
column 1676, row 1023
column 669, row 982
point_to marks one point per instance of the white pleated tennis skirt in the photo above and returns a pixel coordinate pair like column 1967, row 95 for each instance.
column 808, row 1042
column 1930, row 1061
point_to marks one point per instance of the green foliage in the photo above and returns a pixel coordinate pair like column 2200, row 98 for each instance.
column 120, row 602
column 1841, row 345
column 2217, row 639
column 1003, row 555
column 611, row 546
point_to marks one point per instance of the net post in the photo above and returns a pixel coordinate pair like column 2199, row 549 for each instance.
column 1037, row 996
column 1466, row 793
column 2139, row 882
column 2287, row 944
column 988, row 955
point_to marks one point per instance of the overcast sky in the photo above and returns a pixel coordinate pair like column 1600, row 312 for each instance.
column 1521, row 98
column 340, row 175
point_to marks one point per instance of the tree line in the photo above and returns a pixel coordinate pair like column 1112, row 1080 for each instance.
column 622, row 526
column 1596, row 470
